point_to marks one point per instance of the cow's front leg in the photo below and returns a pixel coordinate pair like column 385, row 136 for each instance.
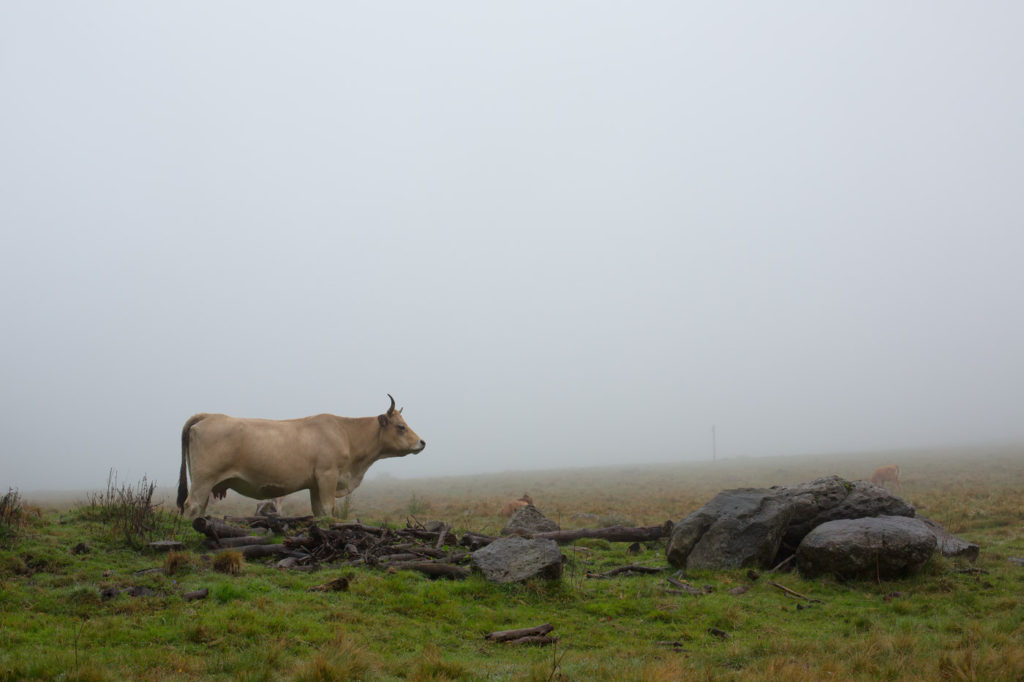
column 321, row 494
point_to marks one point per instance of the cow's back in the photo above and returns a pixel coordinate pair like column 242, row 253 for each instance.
column 268, row 448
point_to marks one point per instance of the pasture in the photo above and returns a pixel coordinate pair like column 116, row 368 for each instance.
column 954, row 620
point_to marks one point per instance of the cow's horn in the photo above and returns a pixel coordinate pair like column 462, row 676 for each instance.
column 392, row 408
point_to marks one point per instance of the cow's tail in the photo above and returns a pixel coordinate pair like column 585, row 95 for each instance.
column 183, row 476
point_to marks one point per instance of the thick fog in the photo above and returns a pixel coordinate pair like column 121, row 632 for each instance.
column 560, row 234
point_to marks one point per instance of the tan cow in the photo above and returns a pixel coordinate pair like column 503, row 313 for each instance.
column 512, row 506
column 890, row 472
column 263, row 458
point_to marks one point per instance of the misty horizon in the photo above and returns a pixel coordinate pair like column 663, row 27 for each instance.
column 560, row 235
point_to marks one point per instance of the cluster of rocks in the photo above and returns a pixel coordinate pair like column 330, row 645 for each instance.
column 829, row 526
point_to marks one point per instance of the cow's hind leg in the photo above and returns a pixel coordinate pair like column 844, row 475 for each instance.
column 195, row 503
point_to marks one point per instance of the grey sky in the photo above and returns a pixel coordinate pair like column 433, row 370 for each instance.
column 559, row 234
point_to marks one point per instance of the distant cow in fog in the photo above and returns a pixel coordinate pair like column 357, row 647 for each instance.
column 890, row 472
column 511, row 506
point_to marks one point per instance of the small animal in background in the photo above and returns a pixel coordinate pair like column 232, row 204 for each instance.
column 513, row 505
column 882, row 475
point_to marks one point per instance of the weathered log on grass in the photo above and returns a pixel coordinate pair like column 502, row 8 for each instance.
column 540, row 640
column 260, row 551
column 198, row 594
column 240, row 541
column 159, row 545
column 612, row 533
column 510, row 635
column 475, row 541
column 276, row 524
column 629, row 570
column 361, row 527
column 217, row 529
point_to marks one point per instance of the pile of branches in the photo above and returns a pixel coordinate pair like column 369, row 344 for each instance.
column 432, row 551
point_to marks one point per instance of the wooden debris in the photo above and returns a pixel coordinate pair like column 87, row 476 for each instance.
column 240, row 541
column 613, row 533
column 260, row 551
column 511, row 635
column 475, row 540
column 537, row 640
column 166, row 545
column 198, row 594
column 687, row 588
column 793, row 593
column 217, row 529
column 721, row 634
column 742, row 589
column 628, row 570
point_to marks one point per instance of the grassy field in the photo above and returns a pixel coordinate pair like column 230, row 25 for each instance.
column 264, row 624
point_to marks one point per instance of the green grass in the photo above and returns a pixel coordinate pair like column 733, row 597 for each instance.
column 264, row 625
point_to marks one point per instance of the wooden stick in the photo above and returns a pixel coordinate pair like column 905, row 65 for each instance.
column 241, row 541
column 509, row 635
column 793, row 592
column 258, row 551
column 538, row 640
column 688, row 589
column 441, row 536
column 613, row 533
column 783, row 563
column 217, row 529
column 628, row 569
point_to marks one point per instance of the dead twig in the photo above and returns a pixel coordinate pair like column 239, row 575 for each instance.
column 632, row 569
column 783, row 563
column 794, row 593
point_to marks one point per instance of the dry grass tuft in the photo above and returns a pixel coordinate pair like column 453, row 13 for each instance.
column 177, row 562
column 229, row 561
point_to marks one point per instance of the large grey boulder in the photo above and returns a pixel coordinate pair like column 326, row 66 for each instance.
column 515, row 559
column 528, row 520
column 880, row 547
column 950, row 545
column 759, row 527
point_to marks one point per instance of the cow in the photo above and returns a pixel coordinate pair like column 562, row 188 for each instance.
column 890, row 472
column 512, row 506
column 263, row 458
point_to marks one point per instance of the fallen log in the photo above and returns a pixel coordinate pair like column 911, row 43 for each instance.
column 509, row 635
column 612, row 533
column 198, row 594
column 538, row 640
column 240, row 541
column 361, row 527
column 260, row 551
column 632, row 569
column 216, row 529
column 475, row 540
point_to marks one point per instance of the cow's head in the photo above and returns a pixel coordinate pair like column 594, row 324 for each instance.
column 397, row 439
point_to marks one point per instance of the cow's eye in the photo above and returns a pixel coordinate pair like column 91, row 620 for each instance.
column 401, row 429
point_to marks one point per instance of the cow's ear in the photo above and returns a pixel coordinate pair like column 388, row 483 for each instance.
column 383, row 419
